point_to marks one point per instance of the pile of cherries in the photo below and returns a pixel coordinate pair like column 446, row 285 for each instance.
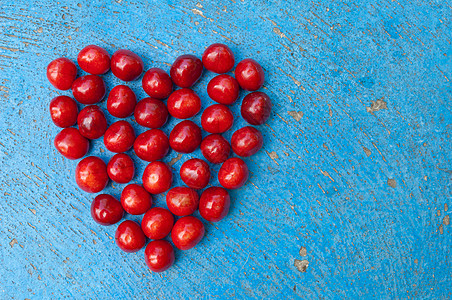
column 92, row 173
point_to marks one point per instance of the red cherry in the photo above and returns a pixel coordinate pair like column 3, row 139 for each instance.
column 129, row 236
column 157, row 223
column 88, row 89
column 215, row 148
column 126, row 65
column 120, row 168
column 218, row 58
column 61, row 73
column 71, row 144
column 223, row 89
column 151, row 113
column 91, row 174
column 214, row 204
column 135, row 199
column 63, row 111
column 106, row 210
column 195, row 173
column 184, row 104
column 119, row 137
column 187, row 232
column 157, row 83
column 151, row 145
column 256, row 108
column 91, row 122
column 249, row 75
column 186, row 70
column 157, row 177
column 217, row 118
column 121, row 101
column 246, row 141
column 185, row 137
column 233, row 173
column 182, row 201
column 94, row 60
column 159, row 255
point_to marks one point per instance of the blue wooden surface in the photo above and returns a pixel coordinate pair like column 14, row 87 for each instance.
column 365, row 188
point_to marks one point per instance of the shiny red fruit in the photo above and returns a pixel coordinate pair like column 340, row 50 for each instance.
column 94, row 60
column 71, row 144
column 106, row 210
column 214, row 204
column 61, row 73
column 183, row 104
column 159, row 255
column 151, row 145
column 91, row 122
column 215, row 148
column 218, row 58
column 91, row 174
column 256, row 108
column 135, row 199
column 157, row 223
column 217, row 118
column 195, row 173
column 223, row 89
column 121, row 101
column 63, row 111
column 246, row 141
column 157, row 83
column 233, row 173
column 88, row 89
column 120, row 168
column 187, row 232
column 119, row 137
column 186, row 70
column 126, row 65
column 182, row 201
column 185, row 137
column 151, row 113
column 157, row 177
column 129, row 236
column 249, row 75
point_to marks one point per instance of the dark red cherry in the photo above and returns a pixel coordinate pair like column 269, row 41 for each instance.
column 183, row 104
column 120, row 168
column 94, row 60
column 249, row 75
column 151, row 145
column 151, row 113
column 186, row 70
column 63, row 111
column 157, row 177
column 91, row 174
column 157, row 223
column 106, row 210
column 159, row 255
column 88, row 89
column 215, row 148
column 119, row 137
column 126, row 65
column 135, row 199
column 91, row 122
column 182, row 201
column 195, row 173
column 185, row 137
column 218, row 58
column 256, row 108
column 217, row 118
column 129, row 236
column 157, row 83
column 61, row 73
column 214, row 204
column 121, row 101
column 223, row 89
column 187, row 232
column 246, row 141
column 233, row 173
column 71, row 144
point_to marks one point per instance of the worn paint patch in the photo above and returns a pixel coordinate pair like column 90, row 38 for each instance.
column 392, row 183
column 303, row 251
column 367, row 151
column 13, row 242
column 377, row 105
column 446, row 220
column 297, row 115
column 301, row 265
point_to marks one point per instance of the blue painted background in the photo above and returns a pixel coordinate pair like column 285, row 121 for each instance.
column 366, row 189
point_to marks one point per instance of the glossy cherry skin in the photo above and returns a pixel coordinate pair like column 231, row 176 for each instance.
column 94, row 60
column 157, row 177
column 182, row 201
column 159, row 255
column 249, row 74
column 88, row 89
column 246, row 141
column 121, row 101
column 256, row 108
column 61, row 73
column 120, row 168
column 195, row 173
column 71, row 144
column 223, row 89
column 233, row 173
column 151, row 145
column 91, row 122
column 151, row 113
column 214, row 204
column 157, row 83
column 215, row 148
column 91, row 174
column 185, row 137
column 218, row 58
column 63, row 111
column 187, row 232
column 106, row 210
column 183, row 104
column 126, row 65
column 157, row 223
column 135, row 199
column 217, row 118
column 119, row 137
column 186, row 70
column 129, row 236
